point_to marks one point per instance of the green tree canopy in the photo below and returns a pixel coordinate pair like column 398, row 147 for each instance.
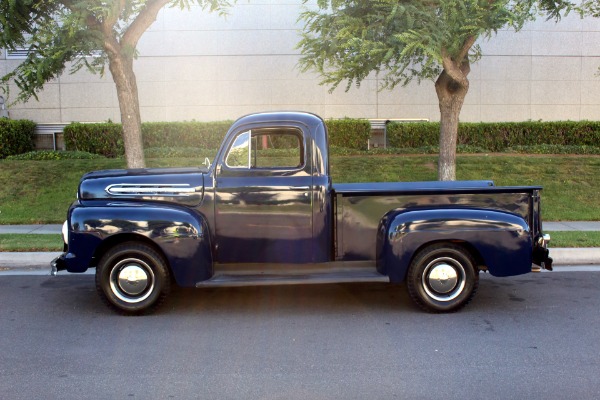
column 402, row 41
column 74, row 34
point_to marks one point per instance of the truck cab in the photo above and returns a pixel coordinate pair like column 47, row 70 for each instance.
column 271, row 190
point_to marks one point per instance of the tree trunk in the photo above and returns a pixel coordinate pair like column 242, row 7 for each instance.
column 121, row 68
column 451, row 95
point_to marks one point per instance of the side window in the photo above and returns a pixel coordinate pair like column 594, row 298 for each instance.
column 272, row 148
column 277, row 150
column 239, row 153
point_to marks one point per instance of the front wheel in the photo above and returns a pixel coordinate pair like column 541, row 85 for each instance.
column 132, row 279
column 442, row 278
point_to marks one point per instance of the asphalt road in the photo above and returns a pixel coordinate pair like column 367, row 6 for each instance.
column 530, row 337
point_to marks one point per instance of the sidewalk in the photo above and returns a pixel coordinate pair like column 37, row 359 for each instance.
column 31, row 229
column 571, row 226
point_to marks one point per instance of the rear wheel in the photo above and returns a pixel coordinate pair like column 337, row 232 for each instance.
column 442, row 278
column 132, row 279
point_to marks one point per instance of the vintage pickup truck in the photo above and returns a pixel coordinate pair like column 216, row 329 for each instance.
column 266, row 213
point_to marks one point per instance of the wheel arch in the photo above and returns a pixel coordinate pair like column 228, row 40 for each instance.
column 499, row 242
column 120, row 238
column 467, row 246
column 181, row 236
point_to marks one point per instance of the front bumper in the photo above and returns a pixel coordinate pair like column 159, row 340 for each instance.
column 64, row 262
column 58, row 264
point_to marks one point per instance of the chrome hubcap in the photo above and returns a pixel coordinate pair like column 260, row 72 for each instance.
column 444, row 279
column 132, row 280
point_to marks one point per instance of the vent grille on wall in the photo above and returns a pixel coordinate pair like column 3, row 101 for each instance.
column 21, row 54
column 18, row 54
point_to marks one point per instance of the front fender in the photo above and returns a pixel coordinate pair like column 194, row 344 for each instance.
column 501, row 241
column 181, row 234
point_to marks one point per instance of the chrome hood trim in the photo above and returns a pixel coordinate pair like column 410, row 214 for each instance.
column 179, row 186
column 151, row 189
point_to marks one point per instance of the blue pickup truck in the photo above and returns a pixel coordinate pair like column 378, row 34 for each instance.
column 266, row 213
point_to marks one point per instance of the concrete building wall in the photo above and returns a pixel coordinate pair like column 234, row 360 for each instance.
column 198, row 66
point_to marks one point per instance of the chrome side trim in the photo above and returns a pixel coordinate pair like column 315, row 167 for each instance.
column 174, row 190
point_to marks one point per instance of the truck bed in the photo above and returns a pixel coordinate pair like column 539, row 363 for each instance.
column 358, row 207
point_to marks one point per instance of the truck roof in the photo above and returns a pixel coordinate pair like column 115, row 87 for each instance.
column 302, row 117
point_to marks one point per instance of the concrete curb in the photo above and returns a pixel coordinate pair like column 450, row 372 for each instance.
column 575, row 256
column 10, row 260
column 41, row 260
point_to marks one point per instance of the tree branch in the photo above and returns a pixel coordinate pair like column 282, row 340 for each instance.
column 143, row 21
column 454, row 67
column 114, row 14
column 110, row 44
column 464, row 52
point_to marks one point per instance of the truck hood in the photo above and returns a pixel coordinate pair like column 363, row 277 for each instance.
column 175, row 185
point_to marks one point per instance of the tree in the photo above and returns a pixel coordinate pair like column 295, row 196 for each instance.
column 58, row 33
column 589, row 8
column 402, row 41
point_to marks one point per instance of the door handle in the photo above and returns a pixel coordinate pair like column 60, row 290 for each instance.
column 300, row 187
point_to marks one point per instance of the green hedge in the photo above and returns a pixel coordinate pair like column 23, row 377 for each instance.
column 106, row 138
column 16, row 136
column 204, row 135
column 349, row 133
column 497, row 137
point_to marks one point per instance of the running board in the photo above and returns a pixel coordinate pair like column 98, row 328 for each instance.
column 270, row 275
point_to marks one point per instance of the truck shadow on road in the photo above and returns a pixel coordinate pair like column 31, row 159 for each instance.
column 78, row 293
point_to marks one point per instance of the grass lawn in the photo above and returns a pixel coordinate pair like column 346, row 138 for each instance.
column 574, row 239
column 33, row 192
column 571, row 184
column 30, row 242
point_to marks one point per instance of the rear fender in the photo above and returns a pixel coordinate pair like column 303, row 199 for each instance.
column 499, row 241
column 180, row 235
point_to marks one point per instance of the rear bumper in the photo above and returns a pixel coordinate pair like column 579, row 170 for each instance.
column 541, row 254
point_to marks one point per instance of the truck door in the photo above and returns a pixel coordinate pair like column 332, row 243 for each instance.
column 263, row 198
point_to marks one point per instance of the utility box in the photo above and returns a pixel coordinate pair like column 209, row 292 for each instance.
column 49, row 137
column 379, row 130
